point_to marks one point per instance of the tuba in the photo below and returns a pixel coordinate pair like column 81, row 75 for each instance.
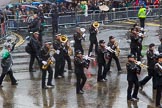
column 96, row 24
column 63, row 39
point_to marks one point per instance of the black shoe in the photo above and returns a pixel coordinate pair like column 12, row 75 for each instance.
column 80, row 92
column 1, row 85
column 130, row 100
column 32, row 70
column 50, row 85
column 45, row 87
column 135, row 98
column 14, row 83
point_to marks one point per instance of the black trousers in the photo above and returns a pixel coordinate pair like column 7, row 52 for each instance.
column 158, row 95
column 59, row 68
column 130, row 87
column 81, row 79
column 101, row 71
column 10, row 73
column 151, row 74
column 116, row 60
column 136, row 52
column 78, row 48
column 50, row 76
column 55, row 28
column 91, row 47
column 67, row 58
column 142, row 22
column 32, row 58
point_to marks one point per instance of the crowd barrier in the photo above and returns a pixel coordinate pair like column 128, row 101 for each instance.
column 75, row 19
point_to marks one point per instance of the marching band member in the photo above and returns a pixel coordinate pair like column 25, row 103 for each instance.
column 93, row 39
column 134, row 45
column 158, row 70
column 151, row 60
column 160, row 46
column 59, row 57
column 46, row 60
column 78, row 40
column 113, row 46
column 6, row 64
column 101, row 60
column 132, row 71
column 35, row 48
column 67, row 56
column 80, row 64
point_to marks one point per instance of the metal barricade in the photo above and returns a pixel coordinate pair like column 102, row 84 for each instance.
column 74, row 19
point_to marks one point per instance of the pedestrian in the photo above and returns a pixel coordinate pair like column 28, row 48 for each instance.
column 35, row 50
column 158, row 71
column 46, row 60
column 80, row 64
column 160, row 46
column 6, row 64
column 132, row 70
column 151, row 60
column 142, row 16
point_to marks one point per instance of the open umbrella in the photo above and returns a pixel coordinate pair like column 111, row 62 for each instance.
column 104, row 8
column 30, row 6
column 46, row 2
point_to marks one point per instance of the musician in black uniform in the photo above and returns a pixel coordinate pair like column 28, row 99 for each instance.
column 6, row 64
column 59, row 57
column 160, row 46
column 102, row 57
column 132, row 71
column 134, row 45
column 93, row 39
column 151, row 60
column 112, row 45
column 45, row 58
column 67, row 56
column 78, row 40
column 35, row 50
column 80, row 64
column 158, row 70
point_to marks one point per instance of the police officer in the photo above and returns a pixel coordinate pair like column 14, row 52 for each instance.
column 101, row 60
column 6, row 64
column 142, row 16
column 151, row 60
column 93, row 39
column 132, row 71
column 112, row 45
column 35, row 50
column 80, row 64
column 45, row 59
column 59, row 57
column 158, row 70
column 78, row 40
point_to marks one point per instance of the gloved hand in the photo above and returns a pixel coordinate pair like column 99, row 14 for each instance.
column 44, row 62
column 53, row 59
column 138, row 63
column 57, row 51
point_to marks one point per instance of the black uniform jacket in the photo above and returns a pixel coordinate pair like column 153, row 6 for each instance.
column 132, row 71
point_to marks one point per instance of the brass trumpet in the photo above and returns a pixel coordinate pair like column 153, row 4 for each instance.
column 140, row 64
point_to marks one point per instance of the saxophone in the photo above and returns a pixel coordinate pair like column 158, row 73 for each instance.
column 51, row 52
column 117, row 50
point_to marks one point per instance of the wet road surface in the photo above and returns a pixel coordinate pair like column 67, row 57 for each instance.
column 109, row 94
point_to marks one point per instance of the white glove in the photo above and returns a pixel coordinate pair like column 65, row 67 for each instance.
column 57, row 51
column 53, row 59
column 86, row 57
column 138, row 63
column 44, row 62
column 140, row 34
